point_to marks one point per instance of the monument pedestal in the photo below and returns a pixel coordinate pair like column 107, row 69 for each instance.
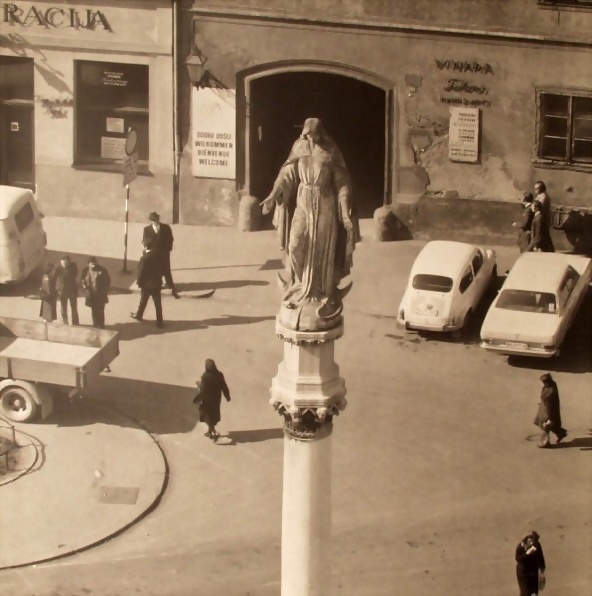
column 307, row 392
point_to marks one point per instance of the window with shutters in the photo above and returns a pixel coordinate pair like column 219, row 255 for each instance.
column 564, row 123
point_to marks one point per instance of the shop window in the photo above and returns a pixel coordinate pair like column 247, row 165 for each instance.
column 110, row 99
column 565, row 128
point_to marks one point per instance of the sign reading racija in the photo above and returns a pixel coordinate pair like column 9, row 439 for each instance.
column 463, row 137
column 213, row 114
column 55, row 17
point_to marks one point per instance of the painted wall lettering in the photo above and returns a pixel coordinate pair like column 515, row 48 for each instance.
column 463, row 86
column 55, row 17
column 458, row 66
column 465, row 101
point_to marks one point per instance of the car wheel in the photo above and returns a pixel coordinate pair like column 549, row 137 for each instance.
column 463, row 331
column 17, row 404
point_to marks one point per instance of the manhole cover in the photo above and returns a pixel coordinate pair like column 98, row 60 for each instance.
column 119, row 495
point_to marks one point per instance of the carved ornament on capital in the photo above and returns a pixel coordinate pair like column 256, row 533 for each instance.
column 308, row 423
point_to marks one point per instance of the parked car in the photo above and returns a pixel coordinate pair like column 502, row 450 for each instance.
column 22, row 239
column 536, row 305
column 447, row 281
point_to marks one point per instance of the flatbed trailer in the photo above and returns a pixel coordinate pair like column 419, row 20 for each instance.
column 38, row 360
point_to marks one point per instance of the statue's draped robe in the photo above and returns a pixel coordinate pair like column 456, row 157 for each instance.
column 318, row 246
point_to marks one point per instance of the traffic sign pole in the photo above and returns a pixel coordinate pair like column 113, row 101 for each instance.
column 127, row 195
column 130, row 172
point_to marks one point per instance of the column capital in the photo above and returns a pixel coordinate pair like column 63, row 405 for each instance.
column 307, row 423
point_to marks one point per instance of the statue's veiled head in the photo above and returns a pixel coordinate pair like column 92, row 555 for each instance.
column 314, row 129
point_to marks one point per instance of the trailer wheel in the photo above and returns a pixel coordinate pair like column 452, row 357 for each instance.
column 17, row 404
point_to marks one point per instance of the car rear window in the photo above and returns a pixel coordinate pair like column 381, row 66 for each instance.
column 526, row 301
column 432, row 283
column 24, row 216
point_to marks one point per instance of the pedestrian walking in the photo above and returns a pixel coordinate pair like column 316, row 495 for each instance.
column 524, row 225
column 150, row 284
column 539, row 239
column 47, row 294
column 160, row 237
column 211, row 388
column 96, row 283
column 66, row 276
column 530, row 565
column 548, row 417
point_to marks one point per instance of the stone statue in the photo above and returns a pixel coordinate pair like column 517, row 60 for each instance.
column 319, row 239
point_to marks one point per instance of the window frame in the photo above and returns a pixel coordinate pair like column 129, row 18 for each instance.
column 115, row 166
column 467, row 275
column 24, row 217
column 549, row 162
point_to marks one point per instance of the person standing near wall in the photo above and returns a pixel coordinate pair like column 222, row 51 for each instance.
column 66, row 274
column 541, row 197
column 524, row 225
column 160, row 237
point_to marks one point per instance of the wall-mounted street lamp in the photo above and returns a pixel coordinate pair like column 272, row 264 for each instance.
column 196, row 66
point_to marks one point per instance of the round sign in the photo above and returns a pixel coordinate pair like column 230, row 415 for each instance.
column 131, row 142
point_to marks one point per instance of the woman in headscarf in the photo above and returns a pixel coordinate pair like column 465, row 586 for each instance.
column 209, row 396
column 530, row 565
column 319, row 239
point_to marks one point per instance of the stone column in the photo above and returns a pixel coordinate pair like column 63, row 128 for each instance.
column 307, row 392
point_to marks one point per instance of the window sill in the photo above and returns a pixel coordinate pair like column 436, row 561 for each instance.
column 116, row 168
column 562, row 165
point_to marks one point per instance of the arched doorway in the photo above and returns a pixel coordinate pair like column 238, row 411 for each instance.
column 354, row 112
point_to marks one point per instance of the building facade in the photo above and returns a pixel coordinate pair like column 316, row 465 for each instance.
column 445, row 112
column 74, row 79
column 469, row 101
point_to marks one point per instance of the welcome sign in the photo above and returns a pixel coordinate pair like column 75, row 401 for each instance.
column 213, row 118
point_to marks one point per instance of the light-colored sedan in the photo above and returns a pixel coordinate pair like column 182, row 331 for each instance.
column 536, row 304
column 447, row 281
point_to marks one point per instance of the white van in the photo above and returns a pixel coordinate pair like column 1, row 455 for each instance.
column 22, row 239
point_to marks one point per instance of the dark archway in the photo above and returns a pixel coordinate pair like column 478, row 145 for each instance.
column 353, row 112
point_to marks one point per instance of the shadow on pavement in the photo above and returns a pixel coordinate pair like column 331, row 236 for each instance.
column 135, row 329
column 249, row 436
column 157, row 407
column 217, row 285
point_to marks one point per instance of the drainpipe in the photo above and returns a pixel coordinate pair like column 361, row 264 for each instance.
column 177, row 151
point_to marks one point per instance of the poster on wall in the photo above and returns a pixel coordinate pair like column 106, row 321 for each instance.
column 213, row 117
column 112, row 148
column 463, row 138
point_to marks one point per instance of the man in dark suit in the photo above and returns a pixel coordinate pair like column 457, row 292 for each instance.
column 160, row 237
column 150, row 283
column 66, row 283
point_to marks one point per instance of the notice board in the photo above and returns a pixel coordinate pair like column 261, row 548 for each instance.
column 213, row 118
column 463, row 134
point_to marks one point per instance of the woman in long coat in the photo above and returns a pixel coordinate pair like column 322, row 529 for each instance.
column 48, row 295
column 530, row 564
column 548, row 417
column 212, row 386
column 525, row 224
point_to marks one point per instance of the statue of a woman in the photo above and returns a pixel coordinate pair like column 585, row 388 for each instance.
column 320, row 238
